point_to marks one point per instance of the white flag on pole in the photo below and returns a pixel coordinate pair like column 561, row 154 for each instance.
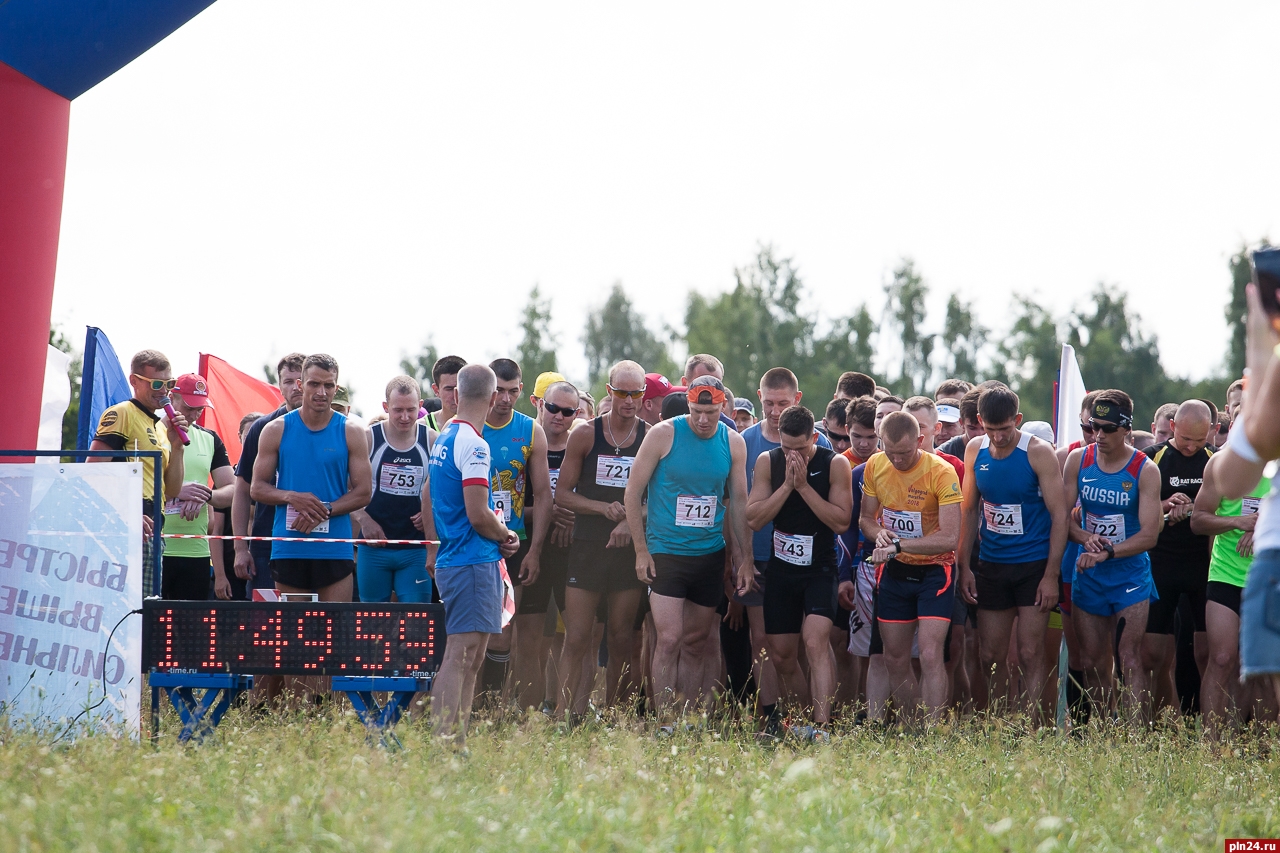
column 1071, row 393
column 54, row 401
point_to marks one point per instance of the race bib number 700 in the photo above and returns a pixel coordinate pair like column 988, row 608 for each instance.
column 696, row 510
column 902, row 523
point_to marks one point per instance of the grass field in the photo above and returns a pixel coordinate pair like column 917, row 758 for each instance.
column 310, row 783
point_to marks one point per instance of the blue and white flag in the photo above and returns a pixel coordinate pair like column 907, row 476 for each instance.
column 104, row 384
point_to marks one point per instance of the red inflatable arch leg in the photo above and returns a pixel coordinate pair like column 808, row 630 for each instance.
column 33, row 164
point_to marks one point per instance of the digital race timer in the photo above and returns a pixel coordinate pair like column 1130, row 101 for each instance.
column 296, row 638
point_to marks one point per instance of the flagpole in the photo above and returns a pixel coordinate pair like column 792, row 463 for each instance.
column 84, row 429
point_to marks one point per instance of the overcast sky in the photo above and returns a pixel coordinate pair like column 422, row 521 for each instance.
column 356, row 178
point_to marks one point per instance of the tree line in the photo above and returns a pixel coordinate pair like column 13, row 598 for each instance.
column 762, row 322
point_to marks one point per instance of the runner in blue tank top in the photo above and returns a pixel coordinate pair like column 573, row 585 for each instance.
column 1013, row 494
column 1120, row 500
column 313, row 467
column 688, row 467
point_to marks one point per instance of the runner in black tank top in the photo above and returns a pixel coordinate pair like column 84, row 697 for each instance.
column 602, row 561
column 557, row 407
column 807, row 492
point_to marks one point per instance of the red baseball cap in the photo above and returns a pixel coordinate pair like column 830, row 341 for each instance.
column 656, row 385
column 194, row 391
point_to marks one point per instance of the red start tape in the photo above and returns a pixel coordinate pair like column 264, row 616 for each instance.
column 302, row 539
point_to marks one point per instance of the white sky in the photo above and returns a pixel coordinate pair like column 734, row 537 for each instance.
column 354, row 178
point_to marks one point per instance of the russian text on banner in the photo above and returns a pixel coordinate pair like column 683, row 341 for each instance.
column 70, row 570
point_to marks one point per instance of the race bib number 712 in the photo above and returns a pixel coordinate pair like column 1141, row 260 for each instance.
column 696, row 510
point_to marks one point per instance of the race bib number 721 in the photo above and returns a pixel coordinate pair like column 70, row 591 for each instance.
column 613, row 470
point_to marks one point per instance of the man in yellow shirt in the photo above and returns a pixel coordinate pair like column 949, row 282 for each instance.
column 134, row 425
column 911, row 511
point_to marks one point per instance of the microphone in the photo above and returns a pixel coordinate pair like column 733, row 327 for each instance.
column 168, row 410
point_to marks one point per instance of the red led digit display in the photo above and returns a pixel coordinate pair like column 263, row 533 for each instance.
column 297, row 638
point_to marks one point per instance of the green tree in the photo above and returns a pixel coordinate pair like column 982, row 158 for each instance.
column 755, row 326
column 70, row 420
column 269, row 371
column 419, row 366
column 905, row 311
column 1031, row 352
column 617, row 331
column 963, row 338
column 1241, row 274
column 1115, row 353
column 847, row 345
column 537, row 351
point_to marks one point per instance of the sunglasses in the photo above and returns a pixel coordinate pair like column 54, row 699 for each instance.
column 695, row 396
column 1086, row 428
column 623, row 394
column 553, row 409
column 837, row 438
column 159, row 384
column 1105, row 428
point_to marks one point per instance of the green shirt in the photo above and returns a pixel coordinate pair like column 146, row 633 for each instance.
column 1225, row 564
column 205, row 453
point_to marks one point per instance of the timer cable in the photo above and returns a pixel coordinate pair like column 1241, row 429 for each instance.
column 97, row 704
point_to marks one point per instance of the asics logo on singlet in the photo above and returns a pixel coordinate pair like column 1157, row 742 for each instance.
column 1105, row 496
column 1185, row 481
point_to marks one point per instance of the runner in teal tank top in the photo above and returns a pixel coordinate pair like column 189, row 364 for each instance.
column 692, row 469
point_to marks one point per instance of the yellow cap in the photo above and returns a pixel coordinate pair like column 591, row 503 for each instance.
column 545, row 381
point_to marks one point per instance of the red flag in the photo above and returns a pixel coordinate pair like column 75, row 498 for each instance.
column 234, row 394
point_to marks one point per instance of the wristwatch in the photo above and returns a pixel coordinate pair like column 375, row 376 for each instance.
column 1110, row 549
column 897, row 546
column 328, row 508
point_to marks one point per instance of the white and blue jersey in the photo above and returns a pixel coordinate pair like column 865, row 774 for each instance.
column 459, row 458
column 1015, row 523
column 1109, row 508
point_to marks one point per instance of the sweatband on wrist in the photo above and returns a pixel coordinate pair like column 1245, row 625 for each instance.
column 1239, row 444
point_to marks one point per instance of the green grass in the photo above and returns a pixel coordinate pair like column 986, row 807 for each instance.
column 311, row 783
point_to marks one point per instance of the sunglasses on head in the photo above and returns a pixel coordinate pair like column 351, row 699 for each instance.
column 159, row 384
column 713, row 396
column 623, row 394
column 1106, row 428
column 552, row 408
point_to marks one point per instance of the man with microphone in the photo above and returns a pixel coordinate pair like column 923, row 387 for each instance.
column 134, row 425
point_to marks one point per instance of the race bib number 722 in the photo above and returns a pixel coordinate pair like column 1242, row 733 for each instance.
column 1110, row 527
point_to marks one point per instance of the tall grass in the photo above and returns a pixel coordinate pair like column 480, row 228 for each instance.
column 309, row 781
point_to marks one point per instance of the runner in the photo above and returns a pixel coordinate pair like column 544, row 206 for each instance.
column 1013, row 494
column 518, row 456
column 969, row 419
column 444, row 384
column 1180, row 559
column 952, row 389
column 1119, row 497
column 834, row 425
column 949, row 423
column 473, row 540
column 557, row 405
column 313, row 468
column 911, row 512
column 779, row 390
column 744, row 413
column 886, row 406
column 852, row 385
column 593, row 478
column 187, row 562
column 253, row 559
column 860, row 418
column 805, row 492
column 1162, row 423
column 656, row 388
column 703, row 364
column 1230, row 523
column 399, row 452
column 688, row 467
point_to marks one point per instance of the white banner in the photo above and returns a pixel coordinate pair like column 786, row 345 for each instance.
column 54, row 402
column 1070, row 398
column 70, row 570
